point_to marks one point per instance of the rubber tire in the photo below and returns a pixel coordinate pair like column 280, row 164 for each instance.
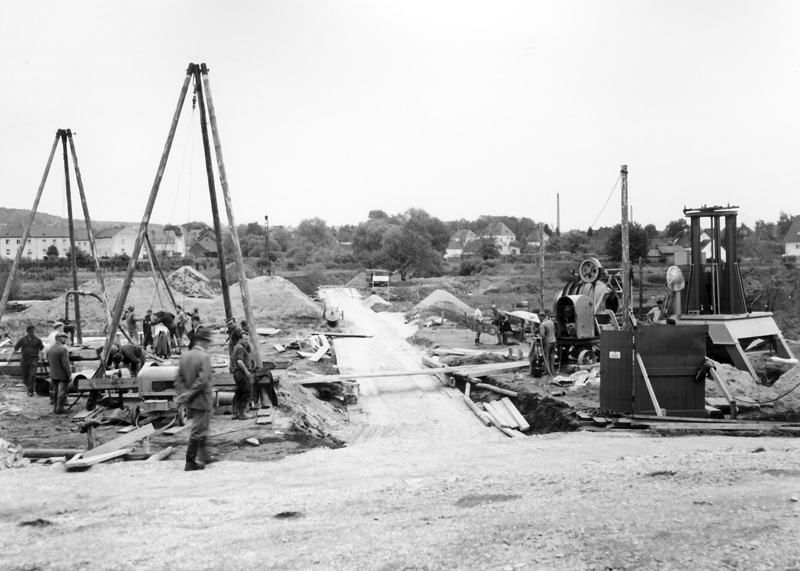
column 587, row 357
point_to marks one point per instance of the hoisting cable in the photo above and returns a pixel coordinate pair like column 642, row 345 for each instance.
column 607, row 199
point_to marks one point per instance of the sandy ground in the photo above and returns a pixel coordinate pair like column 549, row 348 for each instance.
column 423, row 485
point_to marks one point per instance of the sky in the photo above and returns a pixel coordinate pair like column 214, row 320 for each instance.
column 330, row 109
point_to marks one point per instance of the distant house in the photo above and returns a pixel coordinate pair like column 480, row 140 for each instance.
column 503, row 236
column 455, row 247
column 40, row 238
column 663, row 251
column 204, row 244
column 116, row 241
column 535, row 241
column 791, row 242
column 168, row 243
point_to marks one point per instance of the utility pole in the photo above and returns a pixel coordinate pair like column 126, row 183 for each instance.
column 626, row 255
column 541, row 266
column 266, row 245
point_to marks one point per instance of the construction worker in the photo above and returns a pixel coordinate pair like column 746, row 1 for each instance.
column 180, row 325
column 477, row 316
column 234, row 334
column 195, row 325
column 195, row 389
column 497, row 320
column 547, row 330
column 242, row 375
column 147, row 329
column 130, row 324
column 29, row 346
column 656, row 314
column 58, row 327
column 60, row 372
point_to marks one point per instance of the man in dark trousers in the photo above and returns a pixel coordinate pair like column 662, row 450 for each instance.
column 147, row 329
column 195, row 388
column 30, row 346
column 60, row 371
column 242, row 368
column 547, row 330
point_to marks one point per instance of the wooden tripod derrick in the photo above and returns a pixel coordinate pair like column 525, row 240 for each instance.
column 65, row 136
column 206, row 105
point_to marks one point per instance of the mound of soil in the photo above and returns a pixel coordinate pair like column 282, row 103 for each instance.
column 439, row 301
column 358, row 281
column 191, row 283
column 272, row 298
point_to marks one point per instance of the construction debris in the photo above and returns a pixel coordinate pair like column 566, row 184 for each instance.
column 191, row 283
column 12, row 456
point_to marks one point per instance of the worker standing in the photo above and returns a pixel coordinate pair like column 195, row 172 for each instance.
column 547, row 330
column 195, row 325
column 60, row 372
column 242, row 374
column 29, row 346
column 234, row 334
column 180, row 326
column 147, row 329
column 478, row 317
column 58, row 327
column 130, row 324
column 497, row 320
column 195, row 388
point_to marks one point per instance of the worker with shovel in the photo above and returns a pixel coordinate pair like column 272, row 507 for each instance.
column 195, row 388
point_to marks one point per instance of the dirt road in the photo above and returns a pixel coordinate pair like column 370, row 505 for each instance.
column 423, row 486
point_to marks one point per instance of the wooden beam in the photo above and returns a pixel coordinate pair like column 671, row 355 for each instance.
column 123, row 441
column 49, row 452
column 79, row 462
column 650, row 390
column 462, row 369
column 497, row 390
column 166, row 453
column 27, row 231
column 478, row 412
column 725, row 392
column 515, row 414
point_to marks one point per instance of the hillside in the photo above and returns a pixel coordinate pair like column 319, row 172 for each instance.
column 21, row 216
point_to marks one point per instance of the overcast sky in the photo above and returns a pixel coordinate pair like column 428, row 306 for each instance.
column 331, row 108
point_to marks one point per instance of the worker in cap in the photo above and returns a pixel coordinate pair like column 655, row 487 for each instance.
column 60, row 372
column 242, row 376
column 58, row 327
column 29, row 346
column 195, row 389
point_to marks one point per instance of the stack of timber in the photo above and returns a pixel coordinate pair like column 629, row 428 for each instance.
column 688, row 425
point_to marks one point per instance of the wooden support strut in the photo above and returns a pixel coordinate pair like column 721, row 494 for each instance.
column 27, row 231
column 74, row 249
column 650, row 390
column 223, row 177
column 128, row 280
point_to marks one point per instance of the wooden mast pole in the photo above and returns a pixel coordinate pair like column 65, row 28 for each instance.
column 154, row 260
column 126, row 283
column 73, row 246
column 92, row 243
column 223, row 274
column 256, row 350
column 541, row 266
column 626, row 256
column 27, row 231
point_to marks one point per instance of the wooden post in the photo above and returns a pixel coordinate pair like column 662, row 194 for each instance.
column 71, row 222
column 154, row 260
column 126, row 283
column 626, row 252
column 155, row 277
column 541, row 266
column 248, row 310
column 92, row 244
column 27, row 231
column 223, row 275
column 650, row 390
column 641, row 290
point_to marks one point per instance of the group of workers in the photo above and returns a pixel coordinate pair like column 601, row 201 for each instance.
column 57, row 357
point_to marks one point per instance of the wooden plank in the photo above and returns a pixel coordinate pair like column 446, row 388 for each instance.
column 123, row 441
column 264, row 416
column 50, row 452
column 515, row 414
column 600, row 421
column 175, row 430
column 503, row 414
column 509, row 432
column 690, row 419
column 322, row 350
column 653, row 398
column 478, row 412
column 79, row 462
column 126, row 429
column 583, row 415
column 475, row 370
column 726, row 427
column 496, row 417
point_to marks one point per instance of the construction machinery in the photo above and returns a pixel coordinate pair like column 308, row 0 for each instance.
column 586, row 305
column 714, row 294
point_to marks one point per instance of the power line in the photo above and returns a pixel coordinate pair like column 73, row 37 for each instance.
column 607, row 199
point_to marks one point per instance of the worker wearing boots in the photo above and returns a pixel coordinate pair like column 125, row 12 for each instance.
column 60, row 372
column 29, row 346
column 242, row 373
column 547, row 330
column 195, row 388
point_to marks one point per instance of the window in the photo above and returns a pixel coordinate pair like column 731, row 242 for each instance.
column 44, row 251
column 17, row 240
column 54, row 240
column 30, row 252
column 8, row 241
column 122, row 241
column 29, row 240
column 8, row 252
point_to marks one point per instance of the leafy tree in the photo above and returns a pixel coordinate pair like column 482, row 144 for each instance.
column 377, row 215
column 573, row 241
column 81, row 257
column 367, row 239
column 484, row 247
column 174, row 229
column 639, row 243
column 315, row 231
column 52, row 251
column 590, row 232
column 255, row 229
column 651, row 230
column 675, row 227
column 406, row 250
column 197, row 225
column 429, row 227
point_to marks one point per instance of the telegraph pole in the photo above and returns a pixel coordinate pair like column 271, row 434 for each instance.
column 626, row 255
column 541, row 266
column 266, row 245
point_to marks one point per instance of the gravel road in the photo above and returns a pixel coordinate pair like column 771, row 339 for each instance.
column 424, row 485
